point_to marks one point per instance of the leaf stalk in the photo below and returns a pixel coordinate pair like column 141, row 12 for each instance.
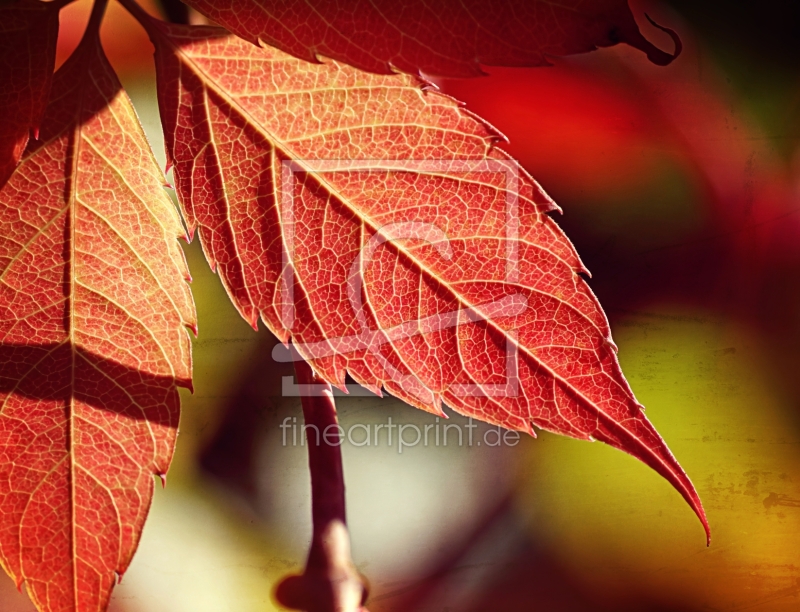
column 330, row 582
column 96, row 18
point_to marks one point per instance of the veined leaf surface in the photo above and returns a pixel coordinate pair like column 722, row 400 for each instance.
column 371, row 221
column 93, row 308
column 439, row 37
column 28, row 33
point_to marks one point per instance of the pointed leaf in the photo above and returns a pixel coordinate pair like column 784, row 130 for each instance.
column 443, row 37
column 373, row 222
column 93, row 309
column 28, row 33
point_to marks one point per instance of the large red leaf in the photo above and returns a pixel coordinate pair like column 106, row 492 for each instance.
column 28, row 33
column 93, row 309
column 439, row 37
column 416, row 266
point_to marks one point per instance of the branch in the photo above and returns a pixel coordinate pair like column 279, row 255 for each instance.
column 330, row 582
column 175, row 11
column 95, row 19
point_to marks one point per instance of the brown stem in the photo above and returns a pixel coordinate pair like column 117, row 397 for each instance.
column 95, row 19
column 148, row 22
column 330, row 582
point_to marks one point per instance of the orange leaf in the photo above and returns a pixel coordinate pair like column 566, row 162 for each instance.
column 439, row 37
column 28, row 33
column 93, row 304
column 372, row 221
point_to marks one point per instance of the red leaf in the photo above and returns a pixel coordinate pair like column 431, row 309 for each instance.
column 441, row 37
column 404, row 266
column 93, row 304
column 28, row 33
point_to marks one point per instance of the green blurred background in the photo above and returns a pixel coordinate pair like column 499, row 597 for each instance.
column 681, row 190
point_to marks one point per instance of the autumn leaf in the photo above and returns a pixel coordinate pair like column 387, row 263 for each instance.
column 370, row 220
column 93, row 309
column 440, row 37
column 28, row 33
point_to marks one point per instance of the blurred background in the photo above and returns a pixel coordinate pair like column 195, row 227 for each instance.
column 681, row 191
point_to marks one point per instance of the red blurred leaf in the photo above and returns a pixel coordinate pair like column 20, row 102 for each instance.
column 28, row 33
column 420, row 277
column 588, row 134
column 443, row 37
column 93, row 304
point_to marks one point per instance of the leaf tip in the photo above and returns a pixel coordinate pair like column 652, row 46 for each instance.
column 548, row 205
column 191, row 228
column 428, row 85
column 644, row 443
column 609, row 343
column 186, row 383
column 697, row 506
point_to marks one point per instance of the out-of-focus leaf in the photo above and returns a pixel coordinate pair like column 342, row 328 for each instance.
column 93, row 345
column 439, row 37
column 28, row 33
